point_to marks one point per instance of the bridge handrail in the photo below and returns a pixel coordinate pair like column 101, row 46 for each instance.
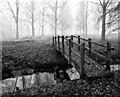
column 82, row 48
column 105, row 46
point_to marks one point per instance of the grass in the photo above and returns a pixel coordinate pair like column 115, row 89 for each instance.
column 23, row 56
column 41, row 55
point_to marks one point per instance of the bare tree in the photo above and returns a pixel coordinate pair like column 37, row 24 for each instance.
column 105, row 4
column 15, row 15
column 55, row 12
column 62, row 17
column 86, row 16
column 95, row 11
column 81, row 18
column 65, row 18
column 42, row 16
column 30, row 14
column 114, row 21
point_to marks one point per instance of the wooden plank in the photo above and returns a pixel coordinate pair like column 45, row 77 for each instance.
column 100, row 55
column 75, row 53
column 74, row 64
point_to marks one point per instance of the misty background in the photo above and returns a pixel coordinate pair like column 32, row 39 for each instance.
column 73, row 17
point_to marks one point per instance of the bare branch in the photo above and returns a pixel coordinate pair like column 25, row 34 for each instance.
column 101, row 3
column 25, row 21
column 94, row 3
column 11, row 9
column 109, row 2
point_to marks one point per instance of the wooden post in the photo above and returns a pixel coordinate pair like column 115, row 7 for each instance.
column 108, row 56
column 63, row 45
column 66, row 40
column 58, row 43
column 71, row 40
column 78, row 42
column 55, row 43
column 53, row 40
column 69, row 55
column 82, row 53
column 89, row 45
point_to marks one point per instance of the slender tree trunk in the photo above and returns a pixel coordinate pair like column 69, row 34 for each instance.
column 84, row 19
column 62, row 21
column 33, row 34
column 42, row 29
column 33, row 29
column 83, row 26
column 43, row 18
column 62, row 26
column 86, row 16
column 56, row 18
column 17, row 33
column 62, row 29
column 17, row 16
column 103, row 21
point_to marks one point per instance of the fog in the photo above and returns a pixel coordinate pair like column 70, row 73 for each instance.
column 7, row 22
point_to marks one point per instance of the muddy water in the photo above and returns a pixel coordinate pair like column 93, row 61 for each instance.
column 38, row 79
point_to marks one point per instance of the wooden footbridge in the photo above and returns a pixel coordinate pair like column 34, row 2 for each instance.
column 77, row 51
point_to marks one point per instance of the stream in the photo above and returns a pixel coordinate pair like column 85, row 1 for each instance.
column 34, row 80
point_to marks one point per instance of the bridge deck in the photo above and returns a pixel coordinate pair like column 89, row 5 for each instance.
column 91, row 66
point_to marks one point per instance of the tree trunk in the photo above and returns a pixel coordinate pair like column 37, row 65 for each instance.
column 33, row 29
column 33, row 25
column 83, row 26
column 62, row 30
column 17, row 33
column 56, row 18
column 86, row 17
column 43, row 18
column 42, row 30
column 17, row 16
column 103, row 21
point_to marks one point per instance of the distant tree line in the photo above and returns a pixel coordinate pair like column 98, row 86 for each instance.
column 49, row 12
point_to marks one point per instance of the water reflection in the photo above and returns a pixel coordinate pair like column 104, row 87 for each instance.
column 38, row 79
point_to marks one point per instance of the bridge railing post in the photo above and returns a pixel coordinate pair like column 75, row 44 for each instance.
column 58, row 43
column 82, row 53
column 63, row 50
column 89, row 45
column 53, row 40
column 66, row 41
column 108, row 56
column 69, row 55
column 71, row 40
column 55, row 43
column 79, row 42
